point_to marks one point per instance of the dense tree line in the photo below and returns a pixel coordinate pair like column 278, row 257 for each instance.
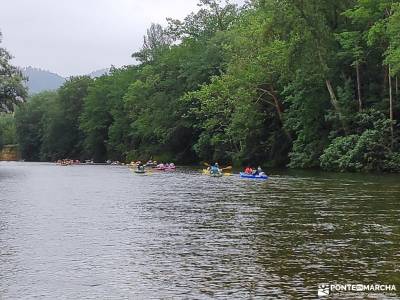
column 12, row 88
column 12, row 92
column 305, row 84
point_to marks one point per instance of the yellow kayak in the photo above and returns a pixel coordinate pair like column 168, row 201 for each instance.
column 207, row 172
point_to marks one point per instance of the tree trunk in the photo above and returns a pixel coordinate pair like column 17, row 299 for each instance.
column 391, row 106
column 278, row 106
column 279, row 109
column 397, row 87
column 360, row 105
column 334, row 101
column 385, row 82
column 335, row 104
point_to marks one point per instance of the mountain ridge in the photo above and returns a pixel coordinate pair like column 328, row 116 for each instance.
column 39, row 80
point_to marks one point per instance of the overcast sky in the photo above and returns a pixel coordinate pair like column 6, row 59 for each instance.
column 73, row 37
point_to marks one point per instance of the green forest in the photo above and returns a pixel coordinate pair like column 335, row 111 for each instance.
column 280, row 83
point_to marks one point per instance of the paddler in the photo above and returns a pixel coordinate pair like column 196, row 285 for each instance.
column 259, row 171
column 140, row 166
column 215, row 169
column 248, row 170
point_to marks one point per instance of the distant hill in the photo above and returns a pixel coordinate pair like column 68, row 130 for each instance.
column 41, row 80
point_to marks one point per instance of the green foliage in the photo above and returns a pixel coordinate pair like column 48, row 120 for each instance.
column 370, row 150
column 393, row 31
column 30, row 121
column 7, row 130
column 352, row 46
column 12, row 88
column 291, row 83
column 228, row 118
column 103, row 119
column 48, row 124
column 307, row 102
column 155, row 42
column 62, row 136
column 212, row 17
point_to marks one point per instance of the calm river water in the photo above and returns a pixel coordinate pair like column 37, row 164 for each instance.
column 103, row 232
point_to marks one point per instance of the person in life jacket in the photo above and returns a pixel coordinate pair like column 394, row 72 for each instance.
column 215, row 169
column 260, row 171
column 248, row 170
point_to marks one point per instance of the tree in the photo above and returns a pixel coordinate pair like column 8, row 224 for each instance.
column 282, row 83
column 103, row 119
column 154, row 42
column 212, row 17
column 368, row 151
column 379, row 18
column 393, row 57
column 7, row 129
column 30, row 121
column 62, row 136
column 353, row 46
column 393, row 32
column 12, row 89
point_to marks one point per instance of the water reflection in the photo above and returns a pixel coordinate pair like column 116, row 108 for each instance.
column 103, row 232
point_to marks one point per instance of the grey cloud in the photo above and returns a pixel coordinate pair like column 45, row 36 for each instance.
column 78, row 36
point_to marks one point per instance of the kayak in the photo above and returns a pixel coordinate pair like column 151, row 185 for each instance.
column 139, row 171
column 150, row 165
column 207, row 172
column 217, row 174
column 166, row 168
column 244, row 175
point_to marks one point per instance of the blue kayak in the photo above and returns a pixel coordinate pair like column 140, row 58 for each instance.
column 244, row 175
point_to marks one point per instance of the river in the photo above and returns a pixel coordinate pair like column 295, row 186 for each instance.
column 103, row 232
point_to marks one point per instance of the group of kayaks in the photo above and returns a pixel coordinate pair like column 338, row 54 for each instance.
column 241, row 174
column 212, row 171
column 215, row 171
column 140, row 168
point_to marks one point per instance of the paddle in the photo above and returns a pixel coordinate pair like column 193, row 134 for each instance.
column 226, row 168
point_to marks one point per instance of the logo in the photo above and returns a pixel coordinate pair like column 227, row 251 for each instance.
column 323, row 290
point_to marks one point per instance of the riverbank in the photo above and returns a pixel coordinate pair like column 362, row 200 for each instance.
column 10, row 153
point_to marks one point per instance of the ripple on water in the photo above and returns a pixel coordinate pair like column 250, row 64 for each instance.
column 101, row 232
